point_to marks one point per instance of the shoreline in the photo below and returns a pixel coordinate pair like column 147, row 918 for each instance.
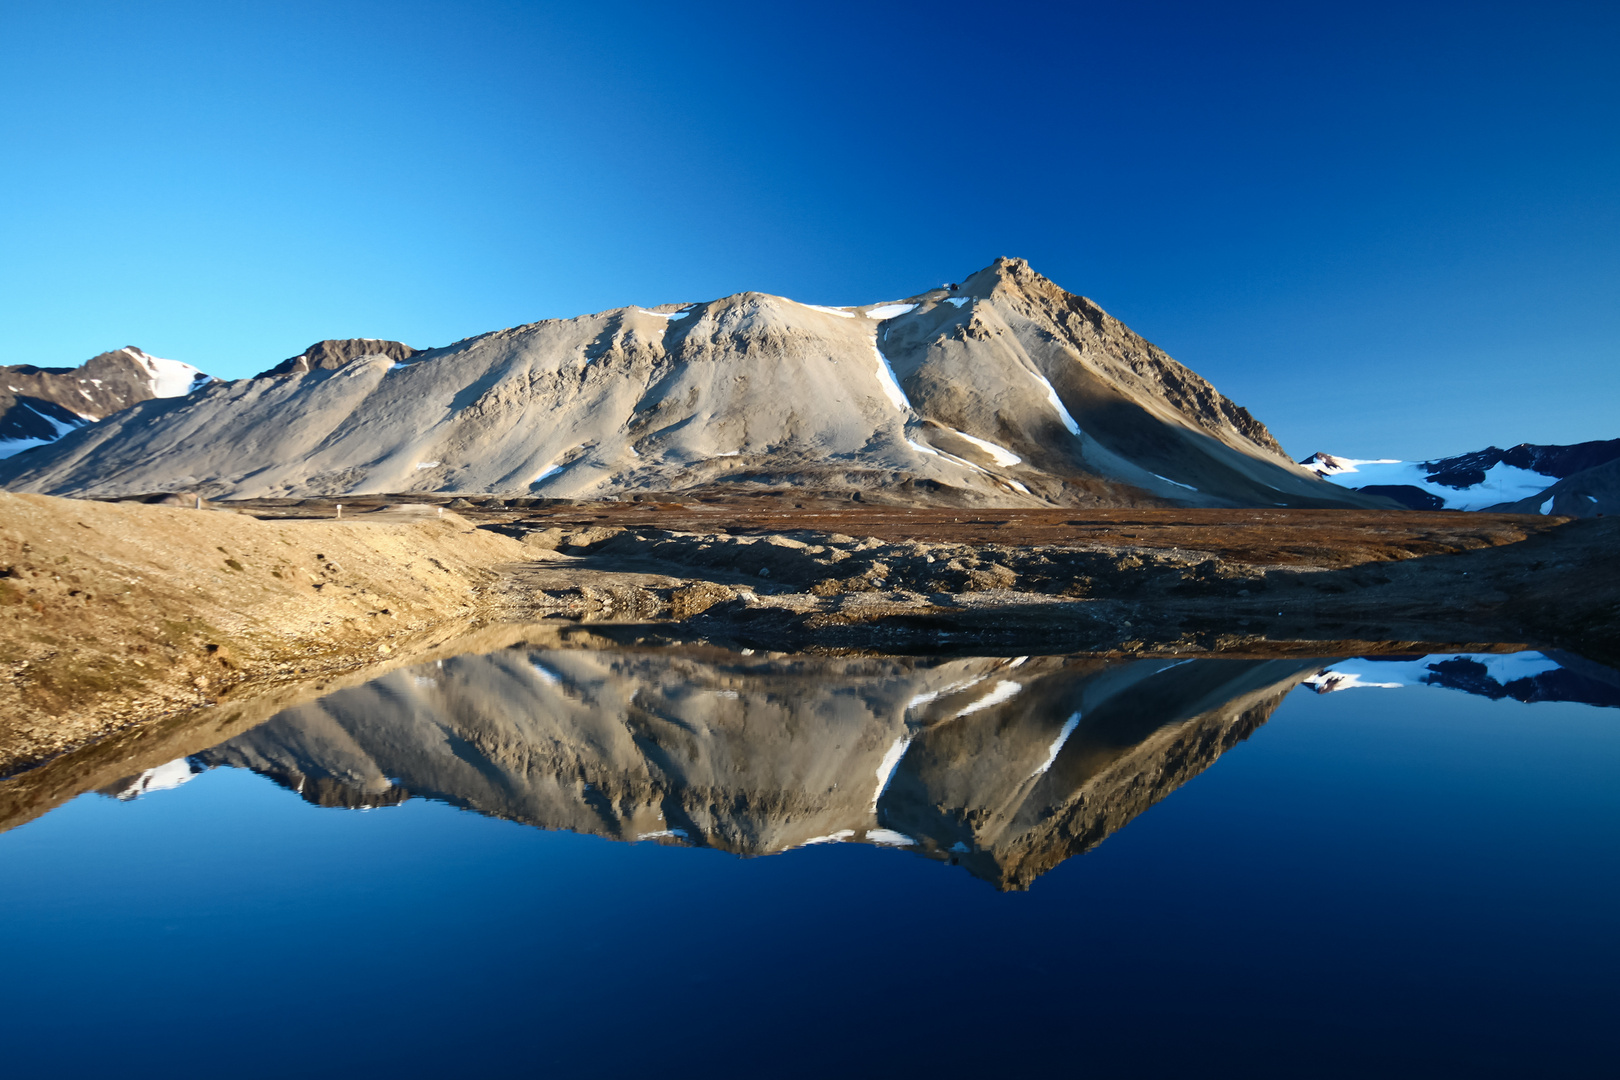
column 117, row 617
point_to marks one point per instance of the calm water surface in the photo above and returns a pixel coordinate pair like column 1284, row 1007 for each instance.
column 618, row 860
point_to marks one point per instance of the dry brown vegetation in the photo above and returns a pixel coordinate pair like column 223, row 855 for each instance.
column 1327, row 538
column 113, row 614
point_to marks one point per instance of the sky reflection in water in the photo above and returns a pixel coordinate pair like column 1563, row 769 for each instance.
column 1416, row 878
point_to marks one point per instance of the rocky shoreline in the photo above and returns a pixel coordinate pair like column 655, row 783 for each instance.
column 804, row 589
column 113, row 616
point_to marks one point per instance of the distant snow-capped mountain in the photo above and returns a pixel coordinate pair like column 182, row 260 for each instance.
column 1579, row 480
column 40, row 405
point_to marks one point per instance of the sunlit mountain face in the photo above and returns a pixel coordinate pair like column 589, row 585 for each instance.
column 1004, row 765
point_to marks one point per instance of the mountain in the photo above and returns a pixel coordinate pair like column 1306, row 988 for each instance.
column 1587, row 493
column 1003, row 390
column 1004, row 766
column 40, row 405
column 1579, row 480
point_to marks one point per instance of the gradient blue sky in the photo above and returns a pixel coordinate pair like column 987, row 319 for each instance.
column 1388, row 229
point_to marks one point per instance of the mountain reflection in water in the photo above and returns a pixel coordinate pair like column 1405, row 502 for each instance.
column 1004, row 766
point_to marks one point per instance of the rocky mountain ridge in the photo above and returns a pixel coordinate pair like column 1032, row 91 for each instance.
column 333, row 353
column 1006, row 390
column 39, row 405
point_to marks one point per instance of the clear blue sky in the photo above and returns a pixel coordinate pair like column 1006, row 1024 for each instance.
column 1385, row 228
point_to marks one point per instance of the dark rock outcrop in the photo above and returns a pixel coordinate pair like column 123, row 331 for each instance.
column 335, row 353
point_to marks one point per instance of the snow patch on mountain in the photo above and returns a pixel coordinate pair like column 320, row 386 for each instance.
column 1326, row 682
column 169, row 378
column 953, row 459
column 1502, row 482
column 930, row 696
column 1057, row 403
column 62, row 426
column 8, row 447
column 1000, row 454
column 1326, row 465
column 1004, row 690
column 886, row 379
column 1177, row 483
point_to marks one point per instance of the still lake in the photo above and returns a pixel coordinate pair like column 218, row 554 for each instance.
column 594, row 857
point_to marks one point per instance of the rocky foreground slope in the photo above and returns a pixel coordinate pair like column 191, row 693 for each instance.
column 1006, row 390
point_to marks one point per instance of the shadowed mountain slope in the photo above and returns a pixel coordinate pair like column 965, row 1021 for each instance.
column 1007, row 390
column 1589, row 493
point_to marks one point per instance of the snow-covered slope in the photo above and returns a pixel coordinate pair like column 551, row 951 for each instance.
column 31, row 422
column 1007, row 390
column 168, row 378
column 40, row 405
column 1587, row 493
column 1519, row 479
